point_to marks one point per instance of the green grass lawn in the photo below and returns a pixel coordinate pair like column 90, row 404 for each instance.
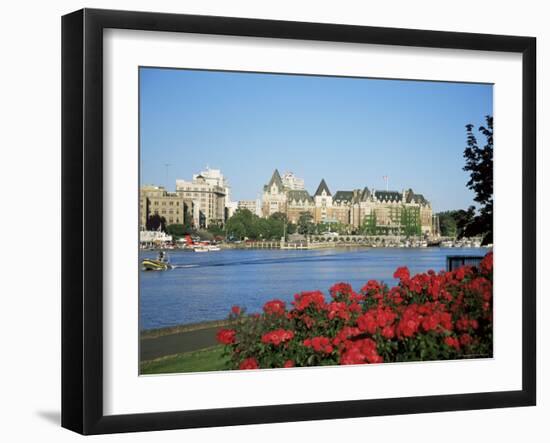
column 210, row 359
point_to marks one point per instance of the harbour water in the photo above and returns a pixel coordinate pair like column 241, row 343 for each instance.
column 203, row 287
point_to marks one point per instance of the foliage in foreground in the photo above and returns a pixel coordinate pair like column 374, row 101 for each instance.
column 428, row 316
column 210, row 359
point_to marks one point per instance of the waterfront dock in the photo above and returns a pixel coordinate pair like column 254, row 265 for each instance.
column 354, row 241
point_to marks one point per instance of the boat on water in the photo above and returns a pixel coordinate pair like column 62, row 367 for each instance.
column 206, row 248
column 161, row 263
column 155, row 265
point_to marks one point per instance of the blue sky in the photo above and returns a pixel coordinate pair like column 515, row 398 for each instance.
column 351, row 132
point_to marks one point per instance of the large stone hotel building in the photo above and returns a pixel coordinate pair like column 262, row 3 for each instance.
column 354, row 207
column 205, row 200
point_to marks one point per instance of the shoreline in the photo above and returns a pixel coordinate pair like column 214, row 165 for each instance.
column 181, row 328
column 316, row 246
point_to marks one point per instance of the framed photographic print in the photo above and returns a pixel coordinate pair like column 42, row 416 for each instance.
column 269, row 221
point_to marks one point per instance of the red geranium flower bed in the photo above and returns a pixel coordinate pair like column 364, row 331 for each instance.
column 428, row 316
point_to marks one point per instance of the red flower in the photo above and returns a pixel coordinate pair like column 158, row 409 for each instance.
column 486, row 264
column 402, row 273
column 367, row 322
column 388, row 332
column 360, row 351
column 275, row 307
column 349, row 327
column 303, row 300
column 431, row 322
column 452, row 342
column 465, row 339
column 395, row 295
column 319, row 344
column 371, row 286
column 309, row 322
column 341, row 289
column 446, row 321
column 249, row 363
column 410, row 321
column 464, row 324
column 435, row 288
column 226, row 336
column 288, row 364
column 338, row 309
column 277, row 337
column 482, row 286
column 345, row 333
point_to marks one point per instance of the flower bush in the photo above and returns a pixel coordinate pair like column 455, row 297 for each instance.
column 428, row 316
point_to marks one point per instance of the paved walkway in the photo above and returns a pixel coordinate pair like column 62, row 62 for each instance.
column 156, row 347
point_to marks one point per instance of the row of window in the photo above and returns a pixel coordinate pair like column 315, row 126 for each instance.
column 166, row 211
column 171, row 203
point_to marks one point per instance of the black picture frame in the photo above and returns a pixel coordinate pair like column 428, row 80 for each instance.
column 82, row 215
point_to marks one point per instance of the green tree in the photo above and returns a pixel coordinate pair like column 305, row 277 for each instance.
column 291, row 228
column 216, row 229
column 243, row 224
column 456, row 223
column 410, row 221
column 278, row 216
column 276, row 226
column 305, row 224
column 464, row 222
column 447, row 224
column 156, row 222
column 479, row 162
column 369, row 224
column 176, row 230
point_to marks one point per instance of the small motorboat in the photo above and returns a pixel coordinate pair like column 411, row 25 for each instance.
column 206, row 248
column 159, row 264
column 155, row 265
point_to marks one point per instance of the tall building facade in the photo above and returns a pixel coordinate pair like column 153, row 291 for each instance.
column 172, row 206
column 215, row 178
column 290, row 181
column 251, row 205
column 376, row 212
column 208, row 195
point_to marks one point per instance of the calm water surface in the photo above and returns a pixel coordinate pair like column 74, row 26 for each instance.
column 204, row 286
